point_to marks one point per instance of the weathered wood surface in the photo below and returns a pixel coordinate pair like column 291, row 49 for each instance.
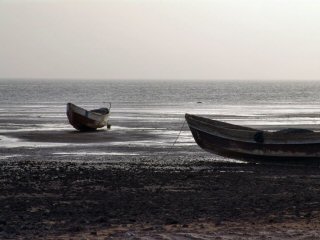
column 84, row 120
column 249, row 144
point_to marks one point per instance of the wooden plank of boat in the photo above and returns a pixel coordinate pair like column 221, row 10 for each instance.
column 249, row 144
column 84, row 120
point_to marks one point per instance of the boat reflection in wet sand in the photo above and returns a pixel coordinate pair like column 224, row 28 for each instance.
column 84, row 120
column 285, row 146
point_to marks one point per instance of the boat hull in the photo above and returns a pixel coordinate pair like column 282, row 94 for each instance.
column 84, row 120
column 252, row 151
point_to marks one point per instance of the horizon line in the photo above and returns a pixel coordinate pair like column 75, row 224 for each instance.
column 149, row 79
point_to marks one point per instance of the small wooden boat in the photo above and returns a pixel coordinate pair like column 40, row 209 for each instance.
column 84, row 120
column 249, row 144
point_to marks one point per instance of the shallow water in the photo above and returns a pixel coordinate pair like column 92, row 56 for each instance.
column 146, row 117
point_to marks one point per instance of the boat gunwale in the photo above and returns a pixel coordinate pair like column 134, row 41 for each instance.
column 83, row 109
column 246, row 134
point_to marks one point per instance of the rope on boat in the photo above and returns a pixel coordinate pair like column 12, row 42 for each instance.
column 175, row 141
column 109, row 105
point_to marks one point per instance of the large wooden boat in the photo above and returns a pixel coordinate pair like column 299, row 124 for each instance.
column 249, row 144
column 84, row 120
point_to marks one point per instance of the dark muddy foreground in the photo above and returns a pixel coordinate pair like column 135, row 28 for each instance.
column 41, row 199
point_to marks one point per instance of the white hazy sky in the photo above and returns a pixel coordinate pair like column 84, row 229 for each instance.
column 160, row 39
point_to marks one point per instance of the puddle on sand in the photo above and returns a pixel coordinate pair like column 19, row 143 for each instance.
column 96, row 153
column 5, row 157
column 10, row 142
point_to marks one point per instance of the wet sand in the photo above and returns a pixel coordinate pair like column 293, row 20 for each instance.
column 139, row 200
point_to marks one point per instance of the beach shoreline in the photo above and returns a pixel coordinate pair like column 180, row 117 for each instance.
column 132, row 182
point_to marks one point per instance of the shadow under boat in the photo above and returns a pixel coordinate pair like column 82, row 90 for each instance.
column 295, row 146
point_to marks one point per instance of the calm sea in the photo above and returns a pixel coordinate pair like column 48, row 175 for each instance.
column 299, row 101
column 156, row 107
column 158, row 92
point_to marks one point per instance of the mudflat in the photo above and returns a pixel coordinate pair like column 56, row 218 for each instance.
column 51, row 199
